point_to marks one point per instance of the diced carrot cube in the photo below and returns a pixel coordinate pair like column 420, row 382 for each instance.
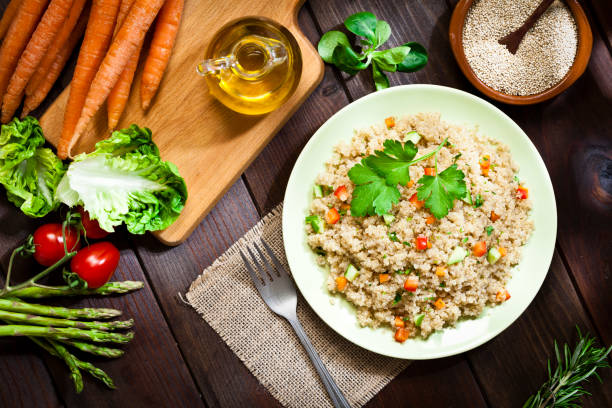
column 390, row 122
column 440, row 271
column 401, row 334
column 502, row 295
column 341, row 282
column 428, row 245
column 485, row 161
column 430, row 171
column 399, row 322
column 410, row 183
column 485, row 171
column 439, row 304
column 332, row 216
column 479, row 248
column 522, row 193
column 383, row 277
column 494, row 217
column 502, row 251
column 411, row 284
column 430, row 220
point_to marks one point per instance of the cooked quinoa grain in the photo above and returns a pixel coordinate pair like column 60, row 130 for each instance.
column 445, row 292
column 543, row 58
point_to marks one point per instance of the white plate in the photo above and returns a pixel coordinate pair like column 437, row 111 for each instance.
column 457, row 107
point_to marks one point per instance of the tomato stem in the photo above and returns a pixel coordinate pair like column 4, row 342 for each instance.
column 32, row 281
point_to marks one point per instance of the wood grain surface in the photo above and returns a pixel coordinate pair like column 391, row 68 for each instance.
column 191, row 128
column 176, row 359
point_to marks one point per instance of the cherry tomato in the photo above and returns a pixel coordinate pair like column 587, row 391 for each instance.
column 49, row 243
column 96, row 263
column 92, row 228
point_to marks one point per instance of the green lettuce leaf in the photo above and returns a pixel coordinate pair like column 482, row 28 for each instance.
column 29, row 173
column 124, row 180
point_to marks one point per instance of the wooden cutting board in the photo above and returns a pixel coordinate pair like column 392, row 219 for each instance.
column 210, row 144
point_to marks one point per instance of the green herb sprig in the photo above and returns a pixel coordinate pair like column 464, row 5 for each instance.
column 376, row 178
column 335, row 48
column 564, row 386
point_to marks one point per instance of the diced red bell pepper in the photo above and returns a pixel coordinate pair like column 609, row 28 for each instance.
column 417, row 203
column 341, row 193
column 411, row 284
column 522, row 193
column 421, row 243
column 332, row 216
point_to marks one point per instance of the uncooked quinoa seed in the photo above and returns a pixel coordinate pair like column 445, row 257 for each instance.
column 543, row 58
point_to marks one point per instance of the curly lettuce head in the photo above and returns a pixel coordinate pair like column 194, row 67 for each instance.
column 124, row 180
column 29, row 173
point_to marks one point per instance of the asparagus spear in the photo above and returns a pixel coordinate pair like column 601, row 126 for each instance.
column 62, row 333
column 50, row 321
column 110, row 288
column 60, row 352
column 15, row 305
column 51, row 346
column 94, row 349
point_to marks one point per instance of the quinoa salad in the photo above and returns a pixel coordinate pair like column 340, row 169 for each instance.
column 419, row 222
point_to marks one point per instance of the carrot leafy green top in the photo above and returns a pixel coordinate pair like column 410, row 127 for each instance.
column 377, row 176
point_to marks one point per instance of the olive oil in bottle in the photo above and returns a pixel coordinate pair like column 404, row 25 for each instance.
column 253, row 66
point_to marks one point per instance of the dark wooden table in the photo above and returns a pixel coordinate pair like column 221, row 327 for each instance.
column 177, row 360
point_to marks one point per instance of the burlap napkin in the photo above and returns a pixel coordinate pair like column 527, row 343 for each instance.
column 226, row 298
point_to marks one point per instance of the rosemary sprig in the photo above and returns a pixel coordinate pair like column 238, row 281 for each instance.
column 564, row 386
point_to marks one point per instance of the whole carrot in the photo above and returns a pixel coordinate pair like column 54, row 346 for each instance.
column 56, row 46
column 34, row 99
column 166, row 29
column 130, row 35
column 17, row 38
column 117, row 99
column 124, row 8
column 95, row 44
column 9, row 14
column 50, row 24
column 119, row 95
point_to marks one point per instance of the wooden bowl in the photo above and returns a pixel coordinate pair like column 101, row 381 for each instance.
column 585, row 44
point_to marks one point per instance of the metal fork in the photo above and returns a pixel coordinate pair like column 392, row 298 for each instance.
column 278, row 291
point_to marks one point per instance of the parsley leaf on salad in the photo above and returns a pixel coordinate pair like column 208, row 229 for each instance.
column 393, row 162
column 372, row 195
column 440, row 191
column 376, row 178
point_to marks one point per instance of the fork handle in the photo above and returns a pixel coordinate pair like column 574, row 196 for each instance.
column 334, row 392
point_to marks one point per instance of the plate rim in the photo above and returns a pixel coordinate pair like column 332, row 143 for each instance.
column 477, row 341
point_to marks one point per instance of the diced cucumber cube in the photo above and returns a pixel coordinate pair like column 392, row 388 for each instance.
column 316, row 222
column 418, row 319
column 457, row 255
column 317, row 191
column 388, row 218
column 351, row 273
column 413, row 136
column 467, row 199
column 493, row 255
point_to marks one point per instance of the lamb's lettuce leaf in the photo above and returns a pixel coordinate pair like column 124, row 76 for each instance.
column 124, row 180
column 29, row 173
